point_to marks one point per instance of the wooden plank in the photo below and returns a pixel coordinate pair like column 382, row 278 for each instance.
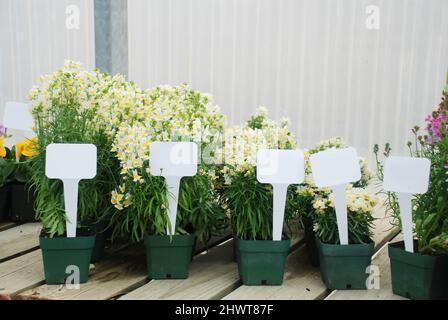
column 26, row 271
column 18, row 240
column 302, row 281
column 117, row 274
column 109, row 277
column 212, row 276
column 7, row 225
column 21, row 273
column 381, row 259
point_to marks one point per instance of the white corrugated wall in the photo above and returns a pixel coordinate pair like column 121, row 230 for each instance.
column 312, row 60
column 34, row 40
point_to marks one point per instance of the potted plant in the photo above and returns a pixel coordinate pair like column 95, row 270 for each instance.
column 66, row 109
column 21, row 193
column 16, row 196
column 302, row 199
column 423, row 274
column 6, row 170
column 261, row 261
column 344, row 266
column 176, row 114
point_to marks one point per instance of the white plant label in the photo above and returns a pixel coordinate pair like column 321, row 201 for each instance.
column 336, row 168
column 280, row 168
column 18, row 116
column 71, row 163
column 173, row 160
column 406, row 176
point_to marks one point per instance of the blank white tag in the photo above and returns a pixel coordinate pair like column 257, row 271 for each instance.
column 71, row 163
column 336, row 168
column 406, row 176
column 280, row 168
column 18, row 116
column 173, row 160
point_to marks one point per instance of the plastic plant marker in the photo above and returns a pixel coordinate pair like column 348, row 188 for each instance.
column 280, row 168
column 71, row 163
column 173, row 160
column 336, row 168
column 18, row 116
column 406, row 176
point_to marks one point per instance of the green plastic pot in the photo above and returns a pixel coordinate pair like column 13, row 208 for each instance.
column 236, row 252
column 417, row 276
column 61, row 254
column 344, row 266
column 262, row 262
column 169, row 257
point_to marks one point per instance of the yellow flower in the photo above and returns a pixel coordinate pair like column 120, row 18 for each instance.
column 27, row 148
column 19, row 148
column 136, row 177
column 2, row 147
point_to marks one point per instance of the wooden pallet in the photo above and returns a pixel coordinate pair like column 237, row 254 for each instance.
column 213, row 274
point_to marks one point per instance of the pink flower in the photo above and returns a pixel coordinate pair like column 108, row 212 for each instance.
column 435, row 125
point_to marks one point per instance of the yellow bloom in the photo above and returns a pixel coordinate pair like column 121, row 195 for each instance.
column 2, row 147
column 19, row 148
column 136, row 177
column 27, row 148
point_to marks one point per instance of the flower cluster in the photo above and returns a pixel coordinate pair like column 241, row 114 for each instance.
column 437, row 126
column 308, row 191
column 167, row 114
column 358, row 201
column 3, row 150
column 121, row 200
column 110, row 100
column 360, row 207
column 241, row 143
column 27, row 148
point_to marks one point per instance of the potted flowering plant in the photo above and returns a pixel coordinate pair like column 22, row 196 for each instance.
column 301, row 201
column 67, row 109
column 22, row 195
column 260, row 259
column 423, row 274
column 6, row 170
column 16, row 197
column 344, row 266
column 174, row 114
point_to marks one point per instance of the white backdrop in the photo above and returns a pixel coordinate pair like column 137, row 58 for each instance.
column 312, row 60
column 34, row 40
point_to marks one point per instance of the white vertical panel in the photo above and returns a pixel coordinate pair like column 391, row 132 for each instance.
column 34, row 40
column 311, row 60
